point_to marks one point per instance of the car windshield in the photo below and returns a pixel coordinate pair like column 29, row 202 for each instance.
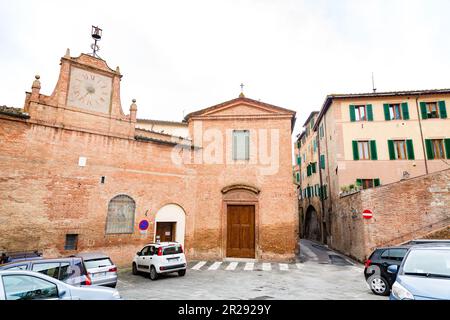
column 172, row 250
column 428, row 262
column 97, row 263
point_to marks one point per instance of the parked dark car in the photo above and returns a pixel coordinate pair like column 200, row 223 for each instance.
column 14, row 256
column 377, row 276
column 69, row 270
column 100, row 268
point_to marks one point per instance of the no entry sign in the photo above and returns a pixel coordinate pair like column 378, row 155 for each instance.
column 143, row 225
column 367, row 214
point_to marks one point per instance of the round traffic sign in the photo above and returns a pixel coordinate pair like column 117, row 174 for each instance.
column 143, row 225
column 367, row 214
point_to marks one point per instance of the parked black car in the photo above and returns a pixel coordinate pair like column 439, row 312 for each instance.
column 68, row 270
column 14, row 256
column 378, row 278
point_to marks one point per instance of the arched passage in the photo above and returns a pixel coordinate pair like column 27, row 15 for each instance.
column 170, row 223
column 312, row 225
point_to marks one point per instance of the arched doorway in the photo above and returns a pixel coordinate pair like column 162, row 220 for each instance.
column 312, row 225
column 170, row 223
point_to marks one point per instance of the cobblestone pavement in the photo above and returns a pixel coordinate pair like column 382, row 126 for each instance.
column 319, row 274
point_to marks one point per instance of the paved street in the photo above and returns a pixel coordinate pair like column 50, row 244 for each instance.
column 318, row 274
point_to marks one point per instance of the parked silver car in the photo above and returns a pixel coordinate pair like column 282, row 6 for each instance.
column 30, row 285
column 101, row 270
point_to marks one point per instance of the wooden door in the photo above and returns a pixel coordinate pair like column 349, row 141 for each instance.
column 241, row 231
column 165, row 231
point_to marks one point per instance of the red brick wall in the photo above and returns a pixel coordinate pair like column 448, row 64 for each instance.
column 403, row 211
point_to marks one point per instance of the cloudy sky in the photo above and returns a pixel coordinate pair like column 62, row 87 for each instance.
column 180, row 56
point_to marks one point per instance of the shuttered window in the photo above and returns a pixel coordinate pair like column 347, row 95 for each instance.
column 241, row 145
column 368, row 183
column 396, row 111
column 435, row 148
column 361, row 113
column 401, row 150
column 322, row 161
column 433, row 110
column 120, row 217
column 365, row 150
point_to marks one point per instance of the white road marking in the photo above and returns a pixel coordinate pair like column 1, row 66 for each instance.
column 249, row 266
column 266, row 266
column 284, row 267
column 232, row 266
column 199, row 265
column 215, row 266
column 299, row 265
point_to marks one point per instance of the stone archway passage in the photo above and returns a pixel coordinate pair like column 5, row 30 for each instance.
column 241, row 231
column 312, row 226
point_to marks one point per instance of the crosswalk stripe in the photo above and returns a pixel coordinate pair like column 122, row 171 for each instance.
column 249, row 266
column 232, row 266
column 266, row 266
column 199, row 265
column 215, row 266
column 299, row 265
column 284, row 267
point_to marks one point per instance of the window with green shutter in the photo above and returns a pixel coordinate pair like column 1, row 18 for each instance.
column 391, row 150
column 387, row 115
column 447, row 148
column 376, row 182
column 442, row 110
column 308, row 170
column 313, row 167
column 369, row 112
column 355, row 150
column 322, row 161
column 352, row 113
column 298, row 177
column 299, row 160
column 405, row 111
column 423, row 110
column 410, row 148
column 429, row 147
column 373, row 150
column 359, row 182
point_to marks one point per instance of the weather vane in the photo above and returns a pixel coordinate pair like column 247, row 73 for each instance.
column 96, row 34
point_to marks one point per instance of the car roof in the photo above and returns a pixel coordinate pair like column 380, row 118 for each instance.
column 19, row 262
column 92, row 255
column 162, row 244
column 406, row 246
column 431, row 246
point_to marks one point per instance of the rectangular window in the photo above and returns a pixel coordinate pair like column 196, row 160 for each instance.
column 321, row 132
column 241, row 145
column 363, row 150
column 360, row 113
column 395, row 111
column 400, row 149
column 367, row 183
column 438, row 148
column 71, row 242
column 432, row 110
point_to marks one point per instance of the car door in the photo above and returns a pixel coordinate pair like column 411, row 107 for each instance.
column 142, row 260
column 27, row 287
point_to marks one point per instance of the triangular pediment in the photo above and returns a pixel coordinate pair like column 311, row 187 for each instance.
column 241, row 107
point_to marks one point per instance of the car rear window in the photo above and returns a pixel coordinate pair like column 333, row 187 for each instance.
column 97, row 263
column 172, row 250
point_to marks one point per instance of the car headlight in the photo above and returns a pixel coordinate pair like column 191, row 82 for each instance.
column 401, row 293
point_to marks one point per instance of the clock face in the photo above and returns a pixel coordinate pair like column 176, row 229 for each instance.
column 90, row 91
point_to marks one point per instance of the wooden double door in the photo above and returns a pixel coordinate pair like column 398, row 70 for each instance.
column 241, row 231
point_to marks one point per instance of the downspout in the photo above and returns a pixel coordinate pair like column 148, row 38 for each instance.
column 322, row 201
column 421, row 135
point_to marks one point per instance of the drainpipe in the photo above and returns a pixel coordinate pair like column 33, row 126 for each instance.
column 421, row 135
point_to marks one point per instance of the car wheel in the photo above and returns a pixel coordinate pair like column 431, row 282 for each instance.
column 153, row 273
column 181, row 273
column 134, row 269
column 379, row 285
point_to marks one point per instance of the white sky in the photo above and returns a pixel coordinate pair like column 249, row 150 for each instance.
column 181, row 56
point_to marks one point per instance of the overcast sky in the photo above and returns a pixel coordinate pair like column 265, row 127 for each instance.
column 180, row 56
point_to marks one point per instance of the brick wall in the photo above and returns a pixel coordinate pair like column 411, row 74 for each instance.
column 403, row 211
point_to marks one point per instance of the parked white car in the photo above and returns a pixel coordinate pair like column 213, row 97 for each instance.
column 157, row 258
column 30, row 285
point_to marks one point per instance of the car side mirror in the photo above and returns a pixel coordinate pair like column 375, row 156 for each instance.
column 139, row 253
column 393, row 269
column 62, row 293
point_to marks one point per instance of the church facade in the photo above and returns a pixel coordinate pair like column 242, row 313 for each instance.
column 80, row 175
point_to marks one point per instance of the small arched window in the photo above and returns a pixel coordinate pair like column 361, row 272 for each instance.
column 120, row 218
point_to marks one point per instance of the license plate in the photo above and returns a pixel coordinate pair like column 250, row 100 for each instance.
column 100, row 274
column 173, row 259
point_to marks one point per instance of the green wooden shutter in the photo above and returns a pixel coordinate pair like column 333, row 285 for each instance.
column 410, row 149
column 373, row 150
column 313, row 166
column 308, row 170
column 299, row 161
column 405, row 111
column 322, row 161
column 423, row 110
column 376, row 182
column 391, row 150
column 369, row 112
column 298, row 177
column 352, row 113
column 355, row 150
column 387, row 115
column 447, row 147
column 442, row 110
column 359, row 182
column 429, row 147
